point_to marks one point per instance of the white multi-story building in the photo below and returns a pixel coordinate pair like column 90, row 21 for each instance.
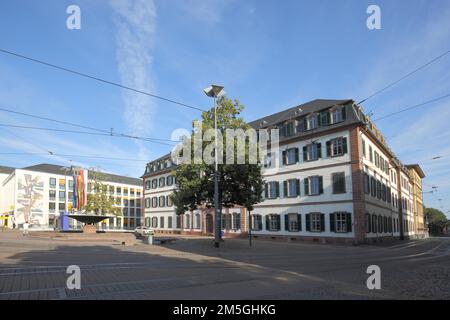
column 159, row 183
column 40, row 193
column 333, row 178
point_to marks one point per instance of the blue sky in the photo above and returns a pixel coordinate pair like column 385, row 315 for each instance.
column 269, row 54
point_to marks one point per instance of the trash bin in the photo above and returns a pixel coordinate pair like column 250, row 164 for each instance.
column 148, row 238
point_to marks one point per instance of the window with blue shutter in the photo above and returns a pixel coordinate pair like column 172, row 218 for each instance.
column 332, row 222
column 312, row 152
column 349, row 222
column 292, row 223
column 366, row 183
column 291, row 156
column 320, row 185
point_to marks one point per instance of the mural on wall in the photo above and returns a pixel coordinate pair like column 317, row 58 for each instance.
column 30, row 195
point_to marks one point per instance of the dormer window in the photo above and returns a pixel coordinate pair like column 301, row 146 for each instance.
column 337, row 114
column 324, row 118
column 311, row 122
column 288, row 129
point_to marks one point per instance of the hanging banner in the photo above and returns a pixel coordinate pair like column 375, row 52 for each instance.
column 79, row 187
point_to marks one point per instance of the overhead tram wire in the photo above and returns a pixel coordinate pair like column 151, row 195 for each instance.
column 105, row 132
column 56, row 154
column 405, row 76
column 85, row 75
column 153, row 140
column 413, row 107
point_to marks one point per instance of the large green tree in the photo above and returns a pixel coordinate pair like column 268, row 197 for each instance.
column 239, row 184
column 98, row 201
column 436, row 220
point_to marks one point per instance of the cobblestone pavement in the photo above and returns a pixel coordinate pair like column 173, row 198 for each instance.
column 194, row 269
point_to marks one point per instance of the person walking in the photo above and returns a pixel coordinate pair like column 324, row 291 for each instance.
column 25, row 228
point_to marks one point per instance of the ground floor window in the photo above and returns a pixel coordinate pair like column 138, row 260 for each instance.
column 292, row 222
column 169, row 222
column 188, row 221
column 154, row 222
column 315, row 222
column 236, row 223
column 178, row 221
column 226, row 221
column 340, row 222
column 273, row 222
column 161, row 222
column 198, row 221
column 256, row 222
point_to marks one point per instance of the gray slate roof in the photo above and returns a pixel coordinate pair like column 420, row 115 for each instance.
column 7, row 170
column 57, row 169
column 298, row 111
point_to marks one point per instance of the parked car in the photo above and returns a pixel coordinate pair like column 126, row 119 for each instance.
column 142, row 231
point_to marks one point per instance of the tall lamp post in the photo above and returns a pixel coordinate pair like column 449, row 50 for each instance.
column 215, row 91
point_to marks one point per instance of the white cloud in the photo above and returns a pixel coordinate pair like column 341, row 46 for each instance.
column 136, row 23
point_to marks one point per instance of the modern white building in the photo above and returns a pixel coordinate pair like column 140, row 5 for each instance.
column 332, row 179
column 40, row 193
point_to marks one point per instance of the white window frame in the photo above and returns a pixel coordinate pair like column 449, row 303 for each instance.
column 274, row 222
column 312, row 152
column 314, row 182
column 256, row 222
column 337, row 145
column 292, row 188
column 198, row 221
column 272, row 187
column 293, row 223
column 340, row 219
column 290, row 156
column 315, row 221
column 311, row 122
column 336, row 115
column 236, row 221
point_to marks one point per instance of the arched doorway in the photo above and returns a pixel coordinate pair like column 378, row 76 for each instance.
column 209, row 223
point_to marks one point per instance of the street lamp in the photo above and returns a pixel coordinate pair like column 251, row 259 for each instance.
column 215, row 91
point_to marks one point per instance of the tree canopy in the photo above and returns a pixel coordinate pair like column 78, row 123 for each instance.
column 98, row 201
column 239, row 184
column 437, row 220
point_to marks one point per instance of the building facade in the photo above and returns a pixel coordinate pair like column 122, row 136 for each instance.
column 416, row 174
column 333, row 178
column 40, row 193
